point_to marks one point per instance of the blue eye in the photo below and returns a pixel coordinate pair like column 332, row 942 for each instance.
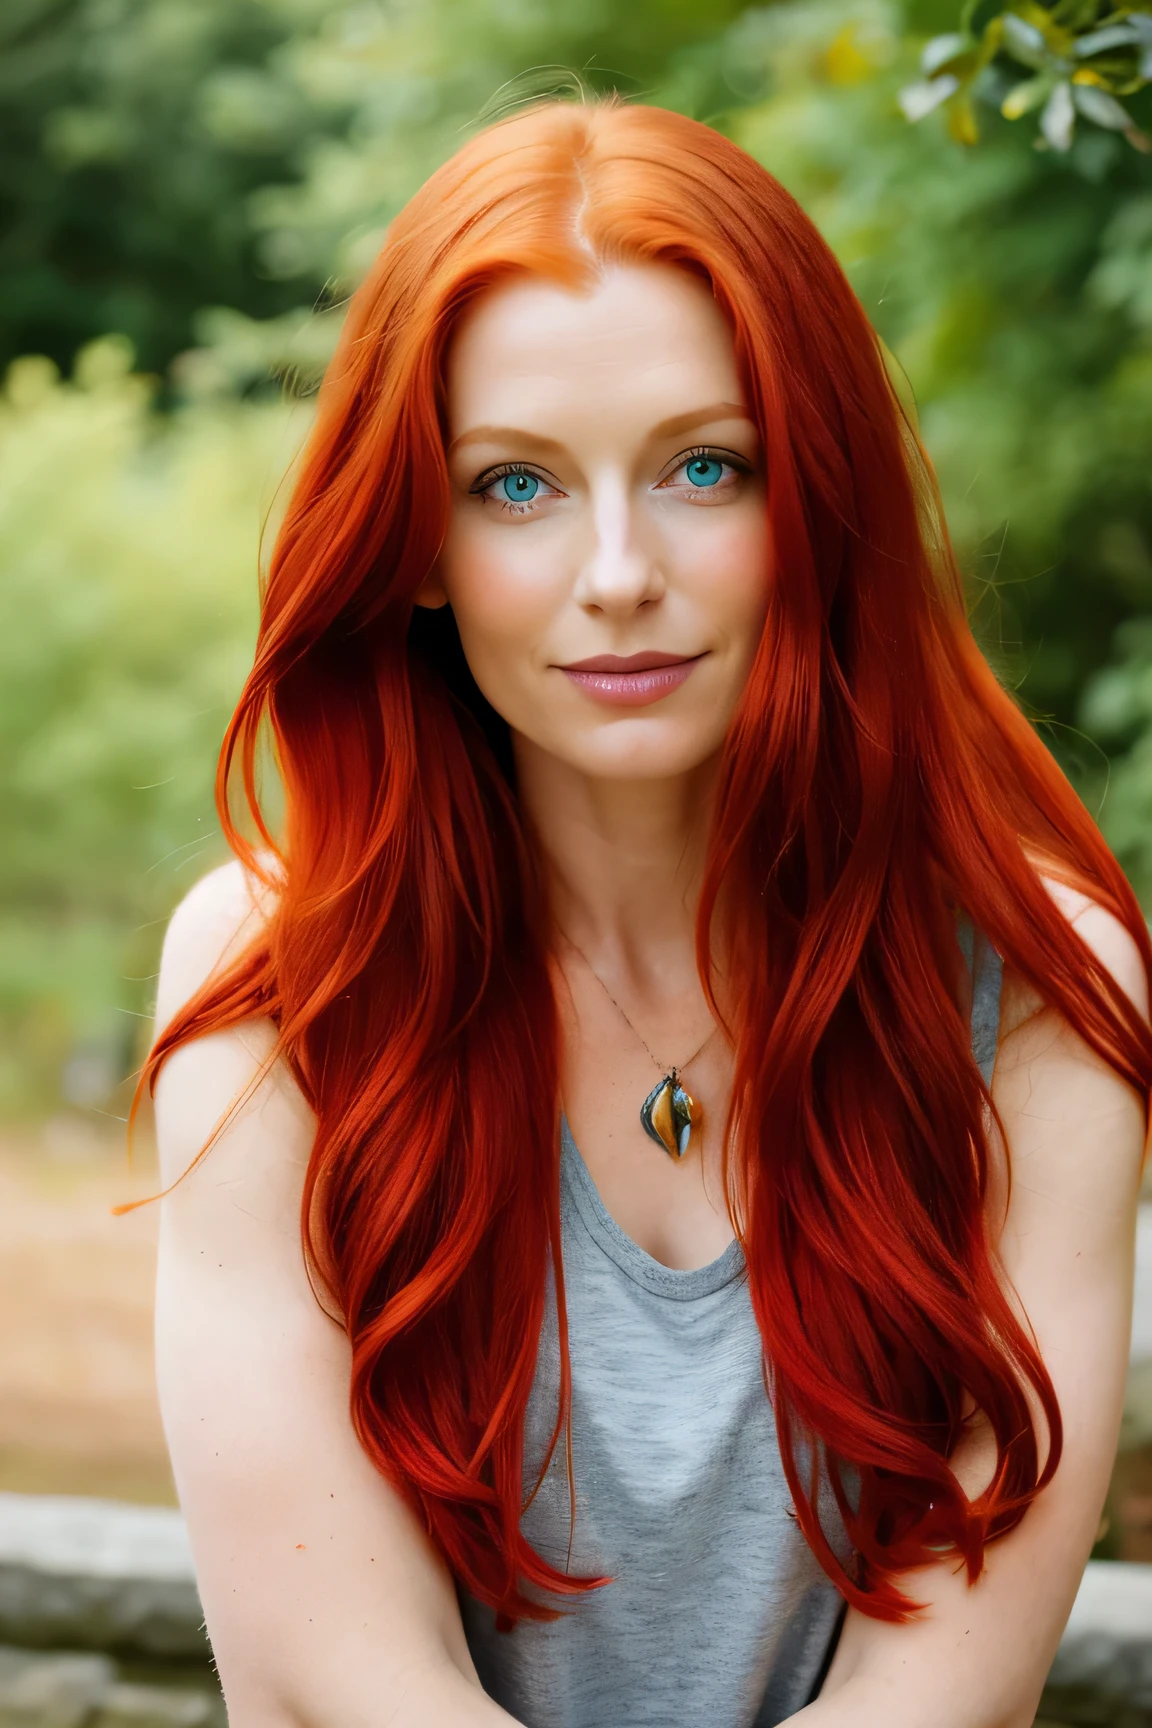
column 704, row 470
column 514, row 489
column 518, row 488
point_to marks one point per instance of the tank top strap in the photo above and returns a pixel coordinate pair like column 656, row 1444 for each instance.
column 987, row 970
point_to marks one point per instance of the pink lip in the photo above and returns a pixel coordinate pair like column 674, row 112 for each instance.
column 630, row 681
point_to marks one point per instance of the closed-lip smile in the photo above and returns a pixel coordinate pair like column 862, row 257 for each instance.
column 631, row 680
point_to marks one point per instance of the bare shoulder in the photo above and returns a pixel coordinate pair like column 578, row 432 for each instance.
column 230, row 1073
column 1074, row 1128
column 1109, row 940
column 210, row 927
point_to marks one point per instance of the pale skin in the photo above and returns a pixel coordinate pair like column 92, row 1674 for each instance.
column 325, row 1602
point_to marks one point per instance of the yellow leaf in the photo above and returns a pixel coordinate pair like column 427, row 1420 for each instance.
column 1020, row 100
column 1058, row 39
column 962, row 119
column 844, row 63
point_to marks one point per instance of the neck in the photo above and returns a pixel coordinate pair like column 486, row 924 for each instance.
column 623, row 859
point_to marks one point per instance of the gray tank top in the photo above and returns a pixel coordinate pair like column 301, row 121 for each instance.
column 719, row 1615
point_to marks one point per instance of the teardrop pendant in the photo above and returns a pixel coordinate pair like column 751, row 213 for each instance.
column 667, row 1115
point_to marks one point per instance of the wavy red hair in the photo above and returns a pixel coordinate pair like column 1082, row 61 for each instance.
column 876, row 780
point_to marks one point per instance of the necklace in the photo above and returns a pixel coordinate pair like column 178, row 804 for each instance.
column 669, row 1113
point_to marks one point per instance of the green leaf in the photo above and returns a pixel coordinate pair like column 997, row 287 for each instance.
column 1026, row 96
column 941, row 50
column 1104, row 110
column 1025, row 42
column 1058, row 121
column 1117, row 36
column 917, row 100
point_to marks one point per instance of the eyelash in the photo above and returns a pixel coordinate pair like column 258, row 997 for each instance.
column 726, row 459
column 491, row 476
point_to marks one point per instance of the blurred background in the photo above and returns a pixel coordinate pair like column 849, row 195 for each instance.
column 189, row 189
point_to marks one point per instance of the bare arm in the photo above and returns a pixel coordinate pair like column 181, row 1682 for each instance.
column 325, row 1602
column 1076, row 1135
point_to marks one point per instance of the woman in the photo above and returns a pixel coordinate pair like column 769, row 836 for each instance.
column 618, row 1013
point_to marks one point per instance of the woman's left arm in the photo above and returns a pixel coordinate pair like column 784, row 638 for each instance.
column 978, row 1656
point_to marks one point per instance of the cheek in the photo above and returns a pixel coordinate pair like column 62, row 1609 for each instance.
column 499, row 589
column 727, row 564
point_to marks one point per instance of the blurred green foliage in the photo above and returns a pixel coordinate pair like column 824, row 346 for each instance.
column 127, row 611
column 1066, row 62
column 1014, row 284
column 200, row 182
column 160, row 156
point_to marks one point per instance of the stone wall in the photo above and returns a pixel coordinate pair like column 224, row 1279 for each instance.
column 100, row 1622
column 100, row 1627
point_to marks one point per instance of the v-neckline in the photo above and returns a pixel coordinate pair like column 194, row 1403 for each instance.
column 680, row 1283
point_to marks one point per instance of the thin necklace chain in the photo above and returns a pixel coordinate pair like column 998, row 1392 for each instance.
column 663, row 1067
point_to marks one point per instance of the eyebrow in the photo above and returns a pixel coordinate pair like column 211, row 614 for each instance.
column 666, row 429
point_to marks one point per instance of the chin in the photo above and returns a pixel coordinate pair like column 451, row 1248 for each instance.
column 623, row 757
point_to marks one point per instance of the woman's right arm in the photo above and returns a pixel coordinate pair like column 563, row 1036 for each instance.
column 325, row 1602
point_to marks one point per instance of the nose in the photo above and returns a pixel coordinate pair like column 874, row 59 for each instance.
column 621, row 572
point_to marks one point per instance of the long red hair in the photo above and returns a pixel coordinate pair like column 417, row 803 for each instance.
column 876, row 780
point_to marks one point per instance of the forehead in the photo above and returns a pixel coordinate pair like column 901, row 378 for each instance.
column 647, row 337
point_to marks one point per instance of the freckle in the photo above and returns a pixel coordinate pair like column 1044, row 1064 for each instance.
column 299, row 1544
